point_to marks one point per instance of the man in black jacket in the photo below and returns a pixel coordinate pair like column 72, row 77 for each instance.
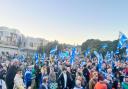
column 63, row 79
column 10, row 76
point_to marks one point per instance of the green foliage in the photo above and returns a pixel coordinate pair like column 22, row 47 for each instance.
column 95, row 44
column 51, row 45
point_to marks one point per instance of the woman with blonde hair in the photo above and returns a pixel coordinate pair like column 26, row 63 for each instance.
column 52, row 79
column 93, row 80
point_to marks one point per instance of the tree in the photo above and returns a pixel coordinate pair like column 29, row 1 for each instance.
column 50, row 45
column 96, row 45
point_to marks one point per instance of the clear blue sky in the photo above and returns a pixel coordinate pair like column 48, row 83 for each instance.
column 68, row 21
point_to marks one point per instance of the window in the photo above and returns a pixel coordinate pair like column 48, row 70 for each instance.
column 31, row 44
column 24, row 44
column 1, row 33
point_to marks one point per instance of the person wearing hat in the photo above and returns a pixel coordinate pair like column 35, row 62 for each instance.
column 125, row 83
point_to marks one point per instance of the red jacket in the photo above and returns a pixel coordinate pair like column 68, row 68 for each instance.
column 100, row 85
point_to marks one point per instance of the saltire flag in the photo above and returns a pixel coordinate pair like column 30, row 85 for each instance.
column 52, row 51
column 100, row 60
column 112, row 55
column 61, row 55
column 127, row 49
column 122, row 41
column 108, row 55
column 127, row 53
column 117, row 51
column 87, row 52
column 36, row 57
column 64, row 54
column 73, row 56
column 43, row 57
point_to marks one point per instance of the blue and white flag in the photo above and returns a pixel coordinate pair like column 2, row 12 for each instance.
column 122, row 41
column 43, row 56
column 127, row 53
column 52, row 51
column 117, row 51
column 100, row 59
column 108, row 55
column 127, row 49
column 36, row 57
column 97, row 54
column 61, row 55
column 87, row 52
column 73, row 56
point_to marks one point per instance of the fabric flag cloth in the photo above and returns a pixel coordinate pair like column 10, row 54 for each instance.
column 52, row 51
column 127, row 53
column 122, row 41
column 117, row 51
column 108, row 56
column 66, row 54
column 127, row 50
column 87, row 52
column 112, row 55
column 73, row 56
column 43, row 57
column 36, row 57
column 100, row 60
column 61, row 55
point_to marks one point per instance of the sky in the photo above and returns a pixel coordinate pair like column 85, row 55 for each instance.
column 68, row 21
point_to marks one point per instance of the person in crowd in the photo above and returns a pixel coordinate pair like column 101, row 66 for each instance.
column 18, row 81
column 80, row 75
column 2, row 82
column 69, row 77
column 86, row 72
column 78, row 85
column 38, row 75
column 101, row 84
column 28, row 78
column 93, row 80
column 52, row 79
column 108, row 81
column 125, row 83
column 11, row 72
column 63, row 79
column 2, row 72
column 44, row 84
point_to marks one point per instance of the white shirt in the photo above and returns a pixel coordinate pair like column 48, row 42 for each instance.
column 65, row 79
column 18, row 82
column 2, row 83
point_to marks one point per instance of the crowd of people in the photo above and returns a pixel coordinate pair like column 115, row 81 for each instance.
column 61, row 74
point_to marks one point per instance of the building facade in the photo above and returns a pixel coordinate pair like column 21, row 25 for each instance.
column 12, row 41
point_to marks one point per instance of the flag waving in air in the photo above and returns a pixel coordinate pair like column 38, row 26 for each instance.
column 122, row 41
column 73, row 55
column 36, row 57
column 52, row 51
column 87, row 52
